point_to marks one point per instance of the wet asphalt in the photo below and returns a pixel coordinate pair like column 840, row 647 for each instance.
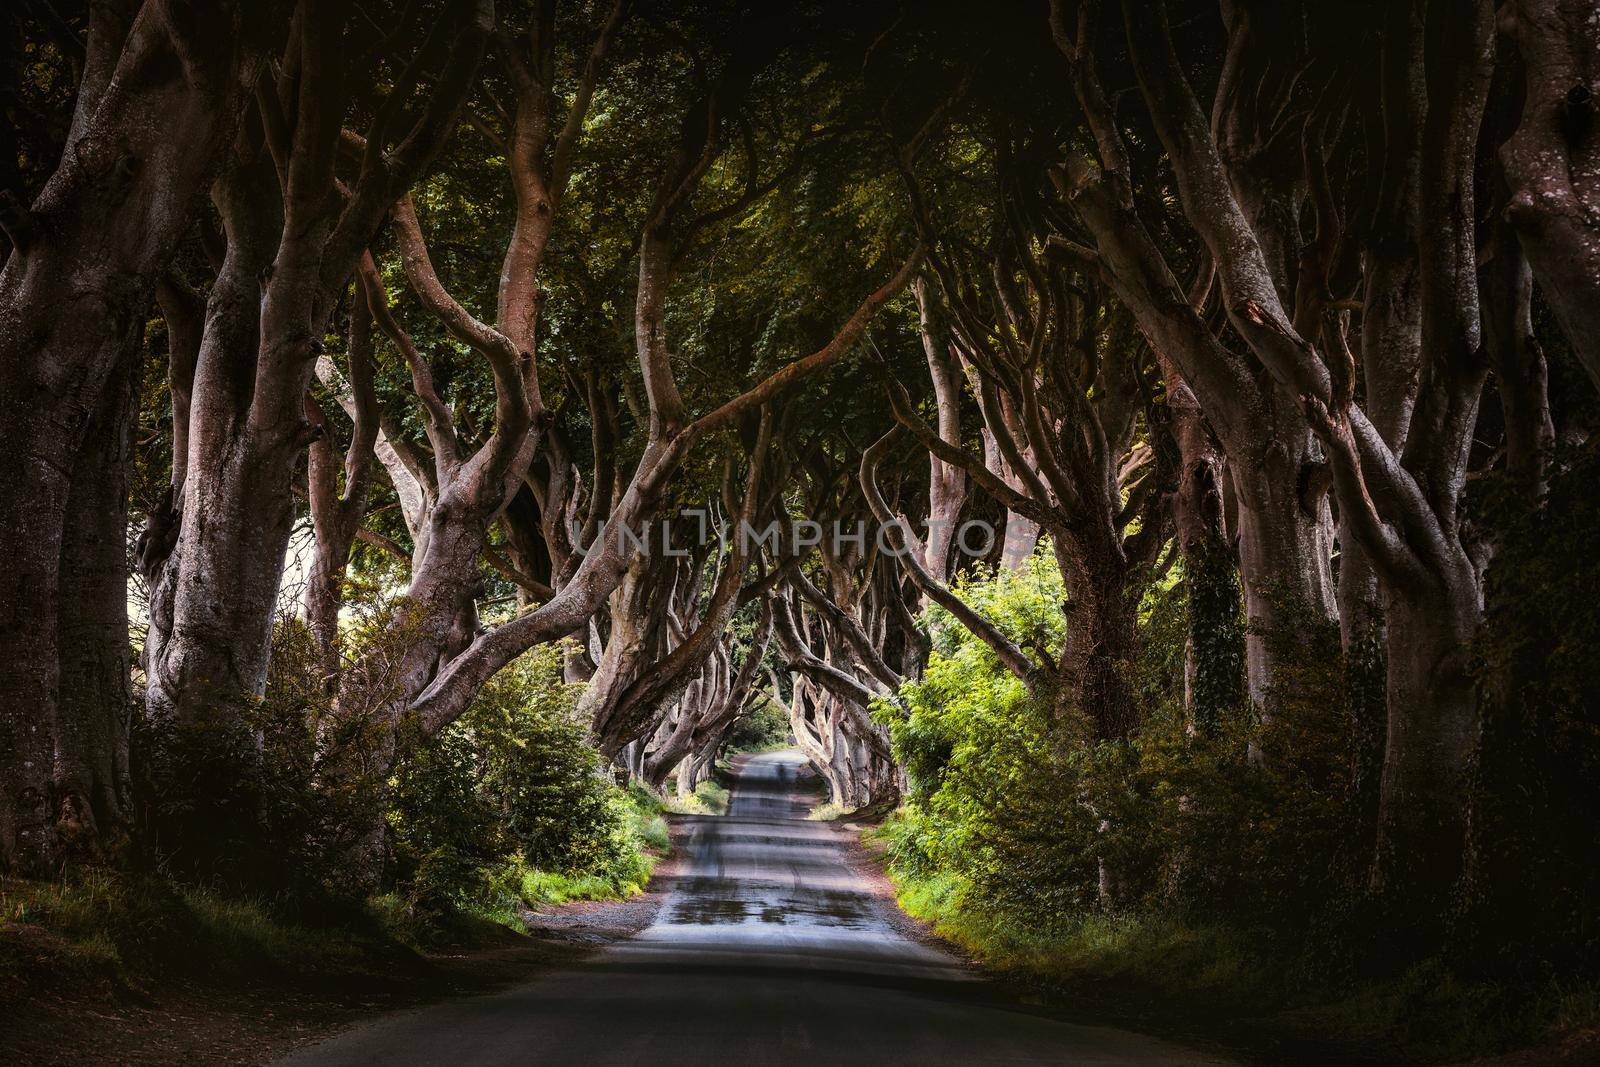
column 769, row 950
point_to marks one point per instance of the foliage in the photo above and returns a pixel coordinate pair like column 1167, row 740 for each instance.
column 236, row 798
column 1223, row 861
column 1044, row 826
column 509, row 806
column 1209, row 971
column 709, row 798
column 761, row 729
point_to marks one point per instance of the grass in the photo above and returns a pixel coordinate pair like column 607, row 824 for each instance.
column 1227, row 977
column 708, row 798
column 92, row 922
column 516, row 885
column 544, row 887
column 125, row 927
column 646, row 821
column 874, row 813
column 827, row 811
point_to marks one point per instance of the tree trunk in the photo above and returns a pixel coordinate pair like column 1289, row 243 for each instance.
column 1102, row 640
column 946, row 482
column 1285, row 545
column 140, row 150
column 1362, row 637
column 213, row 600
column 1213, row 654
column 1553, row 163
column 1428, row 749
column 91, row 743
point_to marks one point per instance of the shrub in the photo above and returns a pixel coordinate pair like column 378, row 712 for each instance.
column 761, row 729
column 509, row 805
column 239, row 799
column 1039, row 824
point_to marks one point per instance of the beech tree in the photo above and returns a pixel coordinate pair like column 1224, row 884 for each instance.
column 295, row 233
column 158, row 99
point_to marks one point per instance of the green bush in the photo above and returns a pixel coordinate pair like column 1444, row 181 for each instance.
column 761, row 729
column 510, row 806
column 240, row 798
column 1044, row 826
column 1223, row 861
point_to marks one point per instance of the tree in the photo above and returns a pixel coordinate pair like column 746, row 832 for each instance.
column 159, row 98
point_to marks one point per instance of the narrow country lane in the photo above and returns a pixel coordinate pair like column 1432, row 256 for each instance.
column 770, row 950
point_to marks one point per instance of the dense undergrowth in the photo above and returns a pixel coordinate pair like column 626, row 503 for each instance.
column 1221, row 866
column 508, row 808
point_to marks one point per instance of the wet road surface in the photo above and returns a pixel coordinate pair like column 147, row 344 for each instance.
column 770, row 950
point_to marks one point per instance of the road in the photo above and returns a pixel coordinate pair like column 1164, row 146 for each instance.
column 769, row 950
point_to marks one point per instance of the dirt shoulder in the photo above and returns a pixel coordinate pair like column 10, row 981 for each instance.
column 52, row 1012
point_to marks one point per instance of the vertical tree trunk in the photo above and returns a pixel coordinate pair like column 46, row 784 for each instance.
column 1284, row 551
column 1214, row 650
column 142, row 144
column 1553, row 162
column 337, row 513
column 946, row 482
column 213, row 599
column 91, row 744
column 1102, row 639
column 1432, row 734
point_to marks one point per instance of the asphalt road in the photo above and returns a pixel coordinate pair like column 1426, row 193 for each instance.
column 770, row 950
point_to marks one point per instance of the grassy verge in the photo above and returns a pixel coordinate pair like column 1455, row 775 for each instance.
column 828, row 811
column 1242, row 985
column 709, row 798
column 124, row 929
column 646, row 826
column 106, row 926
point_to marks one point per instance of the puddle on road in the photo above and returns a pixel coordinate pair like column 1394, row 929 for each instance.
column 709, row 911
column 820, row 909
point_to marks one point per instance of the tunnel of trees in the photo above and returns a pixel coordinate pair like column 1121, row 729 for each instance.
column 1168, row 430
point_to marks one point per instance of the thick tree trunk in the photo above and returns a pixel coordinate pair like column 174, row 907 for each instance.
column 1102, row 640
column 436, row 619
column 636, row 620
column 225, row 576
column 1362, row 637
column 1428, row 749
column 141, row 148
column 1553, row 162
column 1285, row 545
column 213, row 599
column 91, row 744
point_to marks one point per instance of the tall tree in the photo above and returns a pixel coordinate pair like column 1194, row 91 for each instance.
column 161, row 92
